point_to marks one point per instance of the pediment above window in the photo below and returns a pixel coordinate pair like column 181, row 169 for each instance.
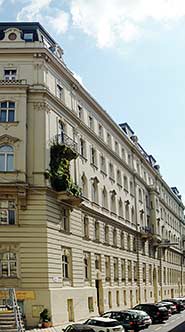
column 13, row 35
column 7, row 139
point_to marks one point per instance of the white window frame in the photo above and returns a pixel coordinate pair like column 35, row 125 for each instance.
column 9, row 262
column 7, row 109
column 6, row 210
column 6, row 154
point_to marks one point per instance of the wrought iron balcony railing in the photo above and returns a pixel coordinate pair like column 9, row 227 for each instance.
column 64, row 139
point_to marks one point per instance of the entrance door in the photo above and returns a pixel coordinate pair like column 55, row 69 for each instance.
column 100, row 299
column 70, row 310
column 131, row 299
column 172, row 293
column 155, row 285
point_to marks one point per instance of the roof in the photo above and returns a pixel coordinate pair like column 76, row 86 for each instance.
column 27, row 27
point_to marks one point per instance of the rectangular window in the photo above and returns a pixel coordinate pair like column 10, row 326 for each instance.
column 7, row 111
column 28, row 37
column 59, row 91
column 87, row 266
column 10, row 74
column 123, row 270
column 8, row 265
column 65, row 219
column 129, row 271
column 98, row 262
column 66, row 264
column 107, row 268
column 116, row 269
column 91, row 123
column 7, row 212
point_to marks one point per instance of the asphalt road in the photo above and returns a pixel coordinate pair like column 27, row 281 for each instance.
column 176, row 323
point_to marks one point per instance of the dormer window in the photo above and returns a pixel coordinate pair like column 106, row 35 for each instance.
column 10, row 74
column 28, row 37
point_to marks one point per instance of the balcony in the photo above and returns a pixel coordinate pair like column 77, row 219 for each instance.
column 156, row 239
column 69, row 198
column 65, row 145
column 63, row 150
column 146, row 232
column 13, row 82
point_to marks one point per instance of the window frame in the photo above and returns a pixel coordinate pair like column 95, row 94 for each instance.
column 11, row 76
column 9, row 262
column 7, row 210
column 8, row 109
column 5, row 161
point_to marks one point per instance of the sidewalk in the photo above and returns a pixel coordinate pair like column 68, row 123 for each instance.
column 55, row 328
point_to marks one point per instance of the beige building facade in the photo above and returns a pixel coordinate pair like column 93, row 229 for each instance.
column 116, row 242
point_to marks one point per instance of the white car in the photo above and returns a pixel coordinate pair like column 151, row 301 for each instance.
column 102, row 324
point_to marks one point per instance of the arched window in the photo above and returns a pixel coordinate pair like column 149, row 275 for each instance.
column 113, row 201
column 6, row 158
column 104, row 198
column 120, row 208
column 95, row 190
column 84, row 186
column 7, row 111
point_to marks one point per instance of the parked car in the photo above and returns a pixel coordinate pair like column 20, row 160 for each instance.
column 101, row 324
column 177, row 302
column 170, row 306
column 78, row 328
column 157, row 312
column 131, row 320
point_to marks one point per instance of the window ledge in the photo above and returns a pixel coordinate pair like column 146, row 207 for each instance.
column 9, row 122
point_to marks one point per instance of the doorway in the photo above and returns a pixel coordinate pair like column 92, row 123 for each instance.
column 155, row 285
column 70, row 310
column 99, row 294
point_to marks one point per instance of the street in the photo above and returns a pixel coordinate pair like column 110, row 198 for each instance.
column 176, row 323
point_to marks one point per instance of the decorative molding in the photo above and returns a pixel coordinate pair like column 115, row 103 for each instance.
column 7, row 139
column 7, row 125
column 41, row 106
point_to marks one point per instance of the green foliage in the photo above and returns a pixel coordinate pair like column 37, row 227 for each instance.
column 59, row 173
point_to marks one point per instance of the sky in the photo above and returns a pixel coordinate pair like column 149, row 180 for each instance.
column 130, row 55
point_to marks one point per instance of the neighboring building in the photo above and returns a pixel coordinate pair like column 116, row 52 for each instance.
column 120, row 243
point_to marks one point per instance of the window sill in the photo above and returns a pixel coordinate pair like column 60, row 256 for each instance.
column 87, row 238
column 10, row 122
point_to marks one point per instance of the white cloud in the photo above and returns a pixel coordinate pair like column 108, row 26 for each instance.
column 33, row 10
column 109, row 22
column 112, row 21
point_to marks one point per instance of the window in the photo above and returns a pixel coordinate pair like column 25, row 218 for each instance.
column 115, row 237
column 127, row 212
column 7, row 111
column 110, row 299
column 131, row 188
column 97, row 231
column 82, row 148
column 111, row 171
column 115, row 269
column 95, row 190
column 87, row 266
column 80, row 112
column 107, row 268
column 59, row 91
column 100, row 130
column 84, row 185
column 10, row 74
column 91, row 123
column 61, row 131
column 8, row 264
column 120, row 204
column 128, row 242
column 97, row 262
column 116, row 147
column 93, row 156
column 86, row 227
column 132, row 215
column 129, row 271
column 103, row 164
column 6, row 158
column 104, row 198
column 109, row 140
column 122, row 240
column 66, row 262
column 113, row 201
column 125, row 181
column 7, row 212
column 123, row 270
column 123, row 153
column 144, row 272
column 28, row 37
column 119, row 182
column 140, row 195
column 65, row 220
column 106, row 234
column 117, row 298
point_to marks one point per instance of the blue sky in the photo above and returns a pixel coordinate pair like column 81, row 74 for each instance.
column 130, row 54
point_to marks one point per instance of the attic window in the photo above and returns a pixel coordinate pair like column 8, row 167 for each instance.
column 28, row 37
column 12, row 36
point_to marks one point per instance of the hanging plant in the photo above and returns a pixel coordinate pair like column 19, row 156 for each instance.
column 59, row 173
